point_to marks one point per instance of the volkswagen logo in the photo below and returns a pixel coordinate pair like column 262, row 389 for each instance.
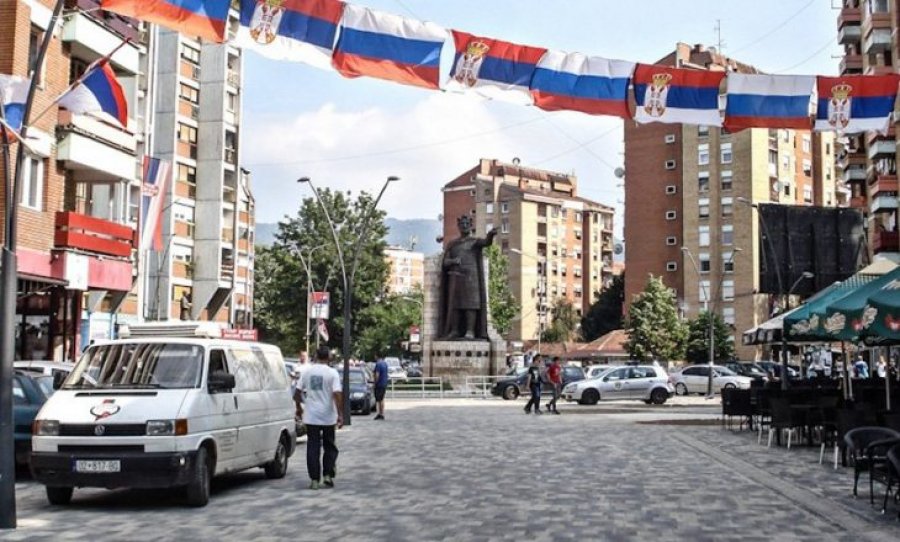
column 99, row 430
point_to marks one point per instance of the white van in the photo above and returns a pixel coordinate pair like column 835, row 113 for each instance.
column 163, row 412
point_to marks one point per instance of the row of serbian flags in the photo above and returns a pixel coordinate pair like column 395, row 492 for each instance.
column 358, row 41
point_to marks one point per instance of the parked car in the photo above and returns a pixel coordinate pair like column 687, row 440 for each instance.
column 595, row 370
column 748, row 368
column 414, row 370
column 774, row 367
column 30, row 392
column 643, row 382
column 42, row 367
column 362, row 396
column 513, row 385
column 396, row 373
column 695, row 379
column 393, row 362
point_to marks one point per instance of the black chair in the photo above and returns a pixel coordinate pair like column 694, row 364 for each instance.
column 893, row 471
column 761, row 410
column 891, row 420
column 736, row 404
column 868, row 448
column 783, row 419
column 847, row 420
column 824, row 419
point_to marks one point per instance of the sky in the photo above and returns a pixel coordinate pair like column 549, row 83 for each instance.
column 351, row 134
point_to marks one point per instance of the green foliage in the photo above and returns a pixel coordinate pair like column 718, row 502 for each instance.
column 698, row 339
column 281, row 278
column 605, row 313
column 502, row 304
column 563, row 327
column 654, row 329
column 389, row 323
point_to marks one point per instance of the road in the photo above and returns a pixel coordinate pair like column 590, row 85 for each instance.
column 472, row 469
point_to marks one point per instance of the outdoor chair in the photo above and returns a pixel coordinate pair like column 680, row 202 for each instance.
column 761, row 411
column 868, row 447
column 736, row 404
column 892, row 420
column 783, row 419
column 825, row 420
column 893, row 465
column 847, row 420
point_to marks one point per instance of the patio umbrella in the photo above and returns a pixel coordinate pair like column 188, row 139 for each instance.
column 886, row 302
column 804, row 324
column 851, row 316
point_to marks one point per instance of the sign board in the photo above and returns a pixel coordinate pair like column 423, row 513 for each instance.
column 240, row 334
column 414, row 334
column 415, row 347
column 76, row 273
column 318, row 305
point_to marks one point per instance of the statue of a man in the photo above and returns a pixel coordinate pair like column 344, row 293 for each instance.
column 464, row 296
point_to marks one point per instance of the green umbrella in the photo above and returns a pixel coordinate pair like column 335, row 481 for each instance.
column 886, row 301
column 804, row 324
column 851, row 316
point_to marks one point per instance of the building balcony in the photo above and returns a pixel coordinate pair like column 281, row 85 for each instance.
column 886, row 241
column 883, row 202
column 851, row 64
column 858, row 202
column 90, row 39
column 877, row 41
column 854, row 173
column 96, row 235
column 879, row 70
column 188, row 110
column 228, row 235
column 231, row 156
column 226, row 271
column 233, row 79
column 83, row 150
column 849, row 34
column 182, row 270
column 884, row 184
column 189, row 70
column 881, row 148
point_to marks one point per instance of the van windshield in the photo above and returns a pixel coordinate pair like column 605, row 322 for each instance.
column 138, row 365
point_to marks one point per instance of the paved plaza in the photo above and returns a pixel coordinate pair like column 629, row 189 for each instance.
column 472, row 469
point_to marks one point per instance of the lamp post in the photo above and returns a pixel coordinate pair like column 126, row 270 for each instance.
column 542, row 290
column 710, row 303
column 784, row 351
column 347, row 278
column 421, row 305
column 307, row 267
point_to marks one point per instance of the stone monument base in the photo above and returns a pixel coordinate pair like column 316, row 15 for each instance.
column 457, row 359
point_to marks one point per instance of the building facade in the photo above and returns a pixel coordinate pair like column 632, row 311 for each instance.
column 687, row 194
column 868, row 31
column 559, row 245
column 406, row 270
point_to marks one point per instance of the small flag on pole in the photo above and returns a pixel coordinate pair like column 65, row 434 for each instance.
column 322, row 329
column 153, row 195
column 98, row 93
column 13, row 91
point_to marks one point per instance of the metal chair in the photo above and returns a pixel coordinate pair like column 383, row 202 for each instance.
column 868, row 448
column 893, row 476
column 783, row 420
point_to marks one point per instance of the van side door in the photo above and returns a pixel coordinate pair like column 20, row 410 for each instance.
column 219, row 413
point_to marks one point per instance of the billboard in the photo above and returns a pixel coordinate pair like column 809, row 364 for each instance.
column 319, row 303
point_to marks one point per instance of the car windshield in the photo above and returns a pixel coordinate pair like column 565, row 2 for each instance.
column 138, row 365
column 46, row 384
column 356, row 377
column 725, row 371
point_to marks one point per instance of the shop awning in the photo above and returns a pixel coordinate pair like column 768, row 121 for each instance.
column 851, row 316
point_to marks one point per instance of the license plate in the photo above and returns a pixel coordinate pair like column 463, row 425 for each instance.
column 97, row 466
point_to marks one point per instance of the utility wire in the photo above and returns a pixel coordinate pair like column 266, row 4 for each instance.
column 589, row 151
column 776, row 29
column 810, row 57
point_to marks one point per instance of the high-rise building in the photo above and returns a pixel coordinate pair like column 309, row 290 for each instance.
column 406, row 270
column 559, row 245
column 868, row 31
column 688, row 187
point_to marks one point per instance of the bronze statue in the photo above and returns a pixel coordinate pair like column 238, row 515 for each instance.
column 463, row 308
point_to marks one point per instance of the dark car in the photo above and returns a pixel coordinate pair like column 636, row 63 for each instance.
column 362, row 398
column 414, row 370
column 30, row 392
column 514, row 385
column 747, row 368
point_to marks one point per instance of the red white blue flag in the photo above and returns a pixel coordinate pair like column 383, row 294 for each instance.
column 295, row 30
column 13, row 92
column 769, row 101
column 856, row 103
column 577, row 82
column 389, row 47
column 153, row 196
column 203, row 18
column 674, row 95
column 99, row 93
column 493, row 68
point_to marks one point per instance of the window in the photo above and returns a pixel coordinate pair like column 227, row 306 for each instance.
column 563, row 252
column 704, row 207
column 670, row 138
column 727, row 262
column 504, row 207
column 727, row 234
column 702, row 130
column 191, row 54
column 671, row 215
column 878, row 6
column 34, row 46
column 187, row 133
column 726, row 179
column 562, row 269
column 703, row 181
column 704, row 236
column 727, row 290
column 807, row 194
column 807, row 167
column 670, row 164
column 806, row 143
column 189, row 93
column 728, row 315
column 577, row 216
column 786, row 136
column 704, row 291
column 704, row 262
column 671, row 241
column 787, row 189
column 727, row 206
column 671, row 266
column 554, row 212
column 725, row 153
column 504, row 226
column 489, row 208
column 785, row 162
column 671, row 189
column 231, row 102
column 576, row 270
column 703, row 154
column 33, row 183
column 578, row 234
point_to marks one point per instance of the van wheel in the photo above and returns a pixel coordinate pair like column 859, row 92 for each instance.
column 277, row 468
column 59, row 495
column 198, row 488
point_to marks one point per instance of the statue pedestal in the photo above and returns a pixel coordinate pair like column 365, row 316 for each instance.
column 457, row 359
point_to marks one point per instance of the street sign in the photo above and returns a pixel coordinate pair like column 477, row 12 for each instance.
column 319, row 303
column 414, row 334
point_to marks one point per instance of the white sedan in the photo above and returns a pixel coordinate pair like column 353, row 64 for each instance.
column 695, row 379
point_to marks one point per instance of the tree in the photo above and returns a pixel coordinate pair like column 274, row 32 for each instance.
column 605, row 313
column 390, row 320
column 281, row 278
column 564, row 326
column 654, row 329
column 501, row 303
column 698, row 339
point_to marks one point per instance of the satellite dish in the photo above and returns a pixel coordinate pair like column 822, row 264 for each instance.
column 619, row 172
column 619, row 248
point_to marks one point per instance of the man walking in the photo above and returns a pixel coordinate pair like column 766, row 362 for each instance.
column 554, row 375
column 381, row 384
column 533, row 384
column 321, row 387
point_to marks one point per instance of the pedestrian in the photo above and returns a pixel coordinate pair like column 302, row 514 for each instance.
column 324, row 401
column 881, row 368
column 554, row 376
column 860, row 367
column 533, row 384
column 381, row 383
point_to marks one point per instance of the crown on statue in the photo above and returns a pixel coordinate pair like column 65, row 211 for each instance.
column 477, row 49
column 840, row 92
column 661, row 79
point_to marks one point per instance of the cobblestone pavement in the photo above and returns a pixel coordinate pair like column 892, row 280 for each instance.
column 483, row 470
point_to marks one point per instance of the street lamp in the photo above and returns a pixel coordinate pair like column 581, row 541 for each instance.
column 307, row 267
column 707, row 304
column 542, row 290
column 787, row 306
column 347, row 278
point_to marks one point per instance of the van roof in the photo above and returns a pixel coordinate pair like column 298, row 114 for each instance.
column 184, row 340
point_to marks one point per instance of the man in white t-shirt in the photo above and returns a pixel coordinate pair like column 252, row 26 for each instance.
column 323, row 402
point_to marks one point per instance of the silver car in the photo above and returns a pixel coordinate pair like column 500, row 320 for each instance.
column 648, row 383
column 695, row 379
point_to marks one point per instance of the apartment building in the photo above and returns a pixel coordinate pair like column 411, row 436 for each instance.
column 868, row 31
column 688, row 187
column 406, row 270
column 559, row 245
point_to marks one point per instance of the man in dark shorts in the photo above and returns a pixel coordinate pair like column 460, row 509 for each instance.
column 381, row 384
column 533, row 385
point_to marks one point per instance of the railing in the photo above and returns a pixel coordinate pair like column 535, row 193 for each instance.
column 231, row 156
column 480, row 385
column 418, row 387
column 83, row 232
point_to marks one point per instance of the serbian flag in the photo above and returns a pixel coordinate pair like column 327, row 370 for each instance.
column 492, row 68
column 153, row 196
column 203, row 18
column 98, row 93
column 673, row 95
column 577, row 82
column 13, row 92
column 769, row 101
column 856, row 103
column 295, row 30
column 389, row 47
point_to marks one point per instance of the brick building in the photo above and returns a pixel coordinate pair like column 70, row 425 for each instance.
column 406, row 270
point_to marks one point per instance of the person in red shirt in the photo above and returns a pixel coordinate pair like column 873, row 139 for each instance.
column 554, row 375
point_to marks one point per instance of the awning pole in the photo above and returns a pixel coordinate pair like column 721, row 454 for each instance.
column 887, row 379
column 844, row 376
